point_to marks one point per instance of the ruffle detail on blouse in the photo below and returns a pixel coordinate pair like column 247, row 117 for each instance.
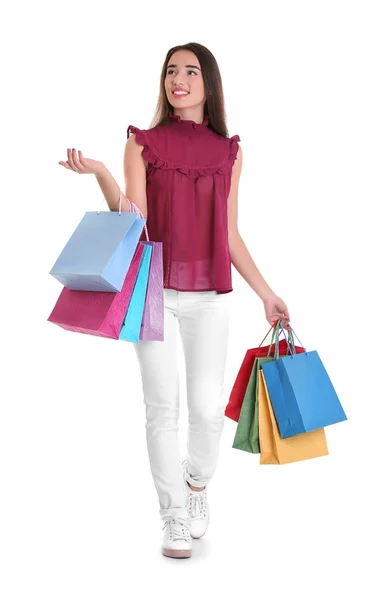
column 233, row 151
column 151, row 155
column 193, row 124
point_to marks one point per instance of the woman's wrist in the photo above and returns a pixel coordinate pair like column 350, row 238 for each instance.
column 266, row 294
column 101, row 170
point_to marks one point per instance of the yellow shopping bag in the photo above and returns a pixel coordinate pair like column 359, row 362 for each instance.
column 277, row 451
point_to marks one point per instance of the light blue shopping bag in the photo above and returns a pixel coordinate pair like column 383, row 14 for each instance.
column 131, row 327
column 302, row 395
column 99, row 252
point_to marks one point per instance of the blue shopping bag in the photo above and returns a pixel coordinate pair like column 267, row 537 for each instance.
column 99, row 252
column 302, row 395
column 131, row 328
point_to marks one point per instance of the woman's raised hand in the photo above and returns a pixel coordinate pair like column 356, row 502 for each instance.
column 80, row 164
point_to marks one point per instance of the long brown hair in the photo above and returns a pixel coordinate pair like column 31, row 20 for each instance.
column 214, row 107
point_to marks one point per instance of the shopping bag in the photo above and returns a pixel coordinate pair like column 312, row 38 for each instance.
column 152, row 327
column 278, row 451
column 96, row 313
column 131, row 328
column 98, row 253
column 302, row 395
column 247, row 431
column 236, row 398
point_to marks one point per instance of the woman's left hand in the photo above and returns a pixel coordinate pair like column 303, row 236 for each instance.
column 276, row 309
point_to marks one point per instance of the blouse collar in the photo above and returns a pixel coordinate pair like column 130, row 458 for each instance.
column 188, row 122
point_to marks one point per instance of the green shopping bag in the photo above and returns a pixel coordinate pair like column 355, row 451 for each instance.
column 247, row 432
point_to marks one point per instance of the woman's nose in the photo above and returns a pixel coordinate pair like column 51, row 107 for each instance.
column 179, row 81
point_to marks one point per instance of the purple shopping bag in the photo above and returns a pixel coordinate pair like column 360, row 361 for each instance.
column 97, row 313
column 152, row 327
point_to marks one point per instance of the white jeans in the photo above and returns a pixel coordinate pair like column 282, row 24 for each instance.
column 203, row 322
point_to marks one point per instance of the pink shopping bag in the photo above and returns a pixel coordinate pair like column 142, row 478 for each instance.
column 97, row 313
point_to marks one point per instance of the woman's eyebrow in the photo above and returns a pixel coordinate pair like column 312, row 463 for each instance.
column 187, row 67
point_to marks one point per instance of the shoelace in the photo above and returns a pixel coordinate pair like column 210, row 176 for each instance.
column 197, row 504
column 178, row 529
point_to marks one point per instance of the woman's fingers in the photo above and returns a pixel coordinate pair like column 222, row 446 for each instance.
column 70, row 160
column 76, row 161
column 66, row 165
column 79, row 164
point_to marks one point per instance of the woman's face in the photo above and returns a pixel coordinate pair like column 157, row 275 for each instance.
column 184, row 85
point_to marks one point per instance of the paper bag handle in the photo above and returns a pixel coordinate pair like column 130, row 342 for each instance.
column 133, row 209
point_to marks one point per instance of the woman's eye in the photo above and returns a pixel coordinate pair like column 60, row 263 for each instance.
column 171, row 71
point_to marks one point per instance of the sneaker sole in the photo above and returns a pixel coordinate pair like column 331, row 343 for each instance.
column 176, row 553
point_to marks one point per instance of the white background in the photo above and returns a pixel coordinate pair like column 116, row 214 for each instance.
column 307, row 89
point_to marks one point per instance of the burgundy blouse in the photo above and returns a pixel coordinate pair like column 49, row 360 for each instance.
column 188, row 182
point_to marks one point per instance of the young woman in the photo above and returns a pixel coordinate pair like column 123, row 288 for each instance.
column 183, row 173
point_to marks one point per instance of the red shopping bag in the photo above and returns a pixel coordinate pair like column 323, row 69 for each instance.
column 236, row 399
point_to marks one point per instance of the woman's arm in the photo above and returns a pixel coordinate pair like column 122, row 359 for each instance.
column 134, row 168
column 110, row 189
column 274, row 306
column 240, row 256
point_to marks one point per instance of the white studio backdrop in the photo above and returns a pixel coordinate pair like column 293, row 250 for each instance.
column 307, row 89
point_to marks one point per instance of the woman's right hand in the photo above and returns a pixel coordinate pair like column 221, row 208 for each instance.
column 80, row 164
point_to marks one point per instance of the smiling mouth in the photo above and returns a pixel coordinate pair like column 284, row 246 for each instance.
column 179, row 94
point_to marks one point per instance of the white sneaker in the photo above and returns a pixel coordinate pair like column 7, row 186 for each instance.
column 177, row 541
column 198, row 509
